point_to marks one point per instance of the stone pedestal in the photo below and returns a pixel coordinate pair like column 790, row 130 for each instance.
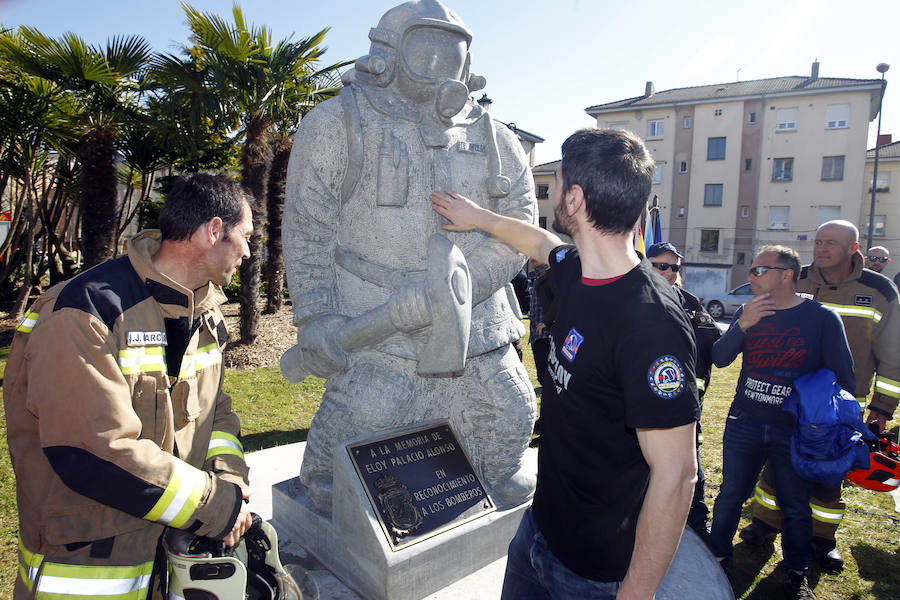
column 353, row 547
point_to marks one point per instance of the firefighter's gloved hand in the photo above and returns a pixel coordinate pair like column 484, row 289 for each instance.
column 321, row 353
column 241, row 524
column 878, row 419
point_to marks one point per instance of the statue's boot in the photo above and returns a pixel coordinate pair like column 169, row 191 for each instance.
column 516, row 489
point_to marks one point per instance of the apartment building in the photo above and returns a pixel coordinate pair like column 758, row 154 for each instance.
column 887, row 201
column 544, row 175
column 749, row 163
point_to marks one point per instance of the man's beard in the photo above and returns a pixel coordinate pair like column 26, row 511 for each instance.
column 561, row 222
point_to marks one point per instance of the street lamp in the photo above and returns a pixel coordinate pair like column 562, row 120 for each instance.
column 881, row 68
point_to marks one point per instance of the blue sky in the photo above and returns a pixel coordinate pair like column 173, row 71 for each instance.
column 545, row 62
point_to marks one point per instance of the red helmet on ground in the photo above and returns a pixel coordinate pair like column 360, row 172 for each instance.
column 883, row 474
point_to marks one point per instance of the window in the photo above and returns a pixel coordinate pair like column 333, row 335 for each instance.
column 712, row 195
column 709, row 240
column 542, row 222
column 828, row 213
column 543, row 190
column 655, row 128
column 718, row 112
column 779, row 217
column 745, row 212
column 837, row 116
column 741, row 258
column 879, row 226
column 783, row 169
column 751, row 118
column 786, row 119
column 748, row 164
column 715, row 148
column 618, row 125
column 884, row 182
column 682, row 168
column 686, row 123
column 832, row 168
column 681, row 211
column 657, row 174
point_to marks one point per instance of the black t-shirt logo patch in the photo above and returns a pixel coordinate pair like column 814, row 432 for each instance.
column 861, row 300
column 666, row 376
column 572, row 344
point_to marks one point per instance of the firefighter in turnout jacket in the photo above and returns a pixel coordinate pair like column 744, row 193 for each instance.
column 117, row 423
column 867, row 304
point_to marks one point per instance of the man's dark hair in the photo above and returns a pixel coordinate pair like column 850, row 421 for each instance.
column 785, row 257
column 195, row 199
column 615, row 171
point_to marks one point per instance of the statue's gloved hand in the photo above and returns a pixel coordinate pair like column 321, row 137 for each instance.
column 409, row 307
column 321, row 352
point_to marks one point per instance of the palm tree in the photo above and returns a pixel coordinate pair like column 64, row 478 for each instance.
column 37, row 120
column 281, row 153
column 253, row 80
column 143, row 155
column 104, row 84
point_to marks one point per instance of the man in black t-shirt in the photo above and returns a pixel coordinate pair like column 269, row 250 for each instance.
column 616, row 465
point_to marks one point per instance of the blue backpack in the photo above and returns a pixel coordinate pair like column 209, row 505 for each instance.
column 829, row 438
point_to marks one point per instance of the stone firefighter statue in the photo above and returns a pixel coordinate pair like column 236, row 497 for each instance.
column 407, row 322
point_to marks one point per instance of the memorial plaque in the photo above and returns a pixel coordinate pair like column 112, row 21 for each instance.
column 420, row 482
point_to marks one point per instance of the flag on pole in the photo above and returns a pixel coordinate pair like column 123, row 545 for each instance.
column 639, row 238
column 650, row 236
column 657, row 228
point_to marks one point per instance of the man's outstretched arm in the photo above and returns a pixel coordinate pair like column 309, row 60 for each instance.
column 465, row 215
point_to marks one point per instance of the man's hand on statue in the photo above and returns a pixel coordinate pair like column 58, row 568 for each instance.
column 463, row 214
column 757, row 309
column 877, row 418
column 321, row 352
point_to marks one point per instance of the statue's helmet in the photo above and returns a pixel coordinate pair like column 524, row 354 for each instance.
column 420, row 46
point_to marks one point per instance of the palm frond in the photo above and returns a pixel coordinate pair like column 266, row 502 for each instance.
column 128, row 54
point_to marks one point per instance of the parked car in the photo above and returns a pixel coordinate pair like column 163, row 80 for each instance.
column 726, row 303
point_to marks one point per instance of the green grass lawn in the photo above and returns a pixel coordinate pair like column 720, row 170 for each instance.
column 275, row 412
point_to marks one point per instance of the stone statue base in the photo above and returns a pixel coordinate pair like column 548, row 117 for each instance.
column 352, row 545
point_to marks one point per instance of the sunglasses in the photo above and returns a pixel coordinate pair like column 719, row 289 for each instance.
column 667, row 266
column 761, row 270
column 883, row 259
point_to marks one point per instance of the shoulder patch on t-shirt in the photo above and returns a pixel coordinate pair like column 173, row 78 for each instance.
column 666, row 376
column 862, row 300
column 561, row 254
column 571, row 345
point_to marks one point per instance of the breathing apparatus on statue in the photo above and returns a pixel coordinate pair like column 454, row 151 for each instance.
column 423, row 48
column 205, row 569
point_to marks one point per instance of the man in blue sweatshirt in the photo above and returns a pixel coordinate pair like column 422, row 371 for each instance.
column 782, row 336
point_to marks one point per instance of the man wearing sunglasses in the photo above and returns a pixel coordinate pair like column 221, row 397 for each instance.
column 666, row 260
column 782, row 336
column 877, row 258
column 867, row 304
